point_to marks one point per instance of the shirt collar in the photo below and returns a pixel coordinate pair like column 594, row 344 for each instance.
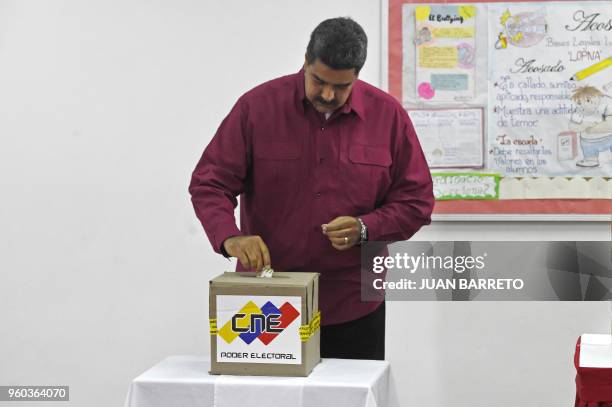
column 355, row 100
column 353, row 103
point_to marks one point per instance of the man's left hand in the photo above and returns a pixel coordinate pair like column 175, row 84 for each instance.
column 343, row 232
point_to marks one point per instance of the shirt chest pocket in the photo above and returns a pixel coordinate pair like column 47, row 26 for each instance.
column 366, row 173
column 276, row 162
column 368, row 155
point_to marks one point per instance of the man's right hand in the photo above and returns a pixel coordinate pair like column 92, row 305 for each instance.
column 251, row 251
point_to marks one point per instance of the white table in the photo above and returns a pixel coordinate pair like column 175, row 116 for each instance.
column 184, row 381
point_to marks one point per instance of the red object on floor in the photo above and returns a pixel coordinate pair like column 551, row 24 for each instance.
column 593, row 384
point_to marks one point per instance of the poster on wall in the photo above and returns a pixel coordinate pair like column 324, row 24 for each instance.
column 445, row 52
column 541, row 74
column 550, row 89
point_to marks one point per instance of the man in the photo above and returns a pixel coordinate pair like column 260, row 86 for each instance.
column 322, row 161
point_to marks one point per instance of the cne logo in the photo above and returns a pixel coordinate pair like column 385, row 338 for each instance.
column 264, row 323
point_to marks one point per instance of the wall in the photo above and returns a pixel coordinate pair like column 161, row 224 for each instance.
column 104, row 110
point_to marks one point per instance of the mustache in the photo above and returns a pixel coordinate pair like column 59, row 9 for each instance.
column 322, row 101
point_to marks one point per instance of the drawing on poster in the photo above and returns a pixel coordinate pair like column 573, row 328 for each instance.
column 592, row 121
column 522, row 30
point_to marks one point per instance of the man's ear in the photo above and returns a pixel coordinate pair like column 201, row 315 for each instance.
column 305, row 62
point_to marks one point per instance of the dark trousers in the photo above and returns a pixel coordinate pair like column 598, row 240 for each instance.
column 363, row 338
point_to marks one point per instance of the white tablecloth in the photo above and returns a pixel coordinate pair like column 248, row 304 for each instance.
column 596, row 351
column 184, row 381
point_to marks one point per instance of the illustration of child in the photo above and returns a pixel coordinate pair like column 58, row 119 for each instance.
column 593, row 121
column 423, row 36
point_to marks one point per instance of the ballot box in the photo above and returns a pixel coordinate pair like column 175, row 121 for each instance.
column 264, row 326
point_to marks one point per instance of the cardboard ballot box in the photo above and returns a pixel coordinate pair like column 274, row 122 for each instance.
column 264, row 326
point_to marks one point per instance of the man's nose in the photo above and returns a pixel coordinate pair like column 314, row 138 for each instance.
column 328, row 93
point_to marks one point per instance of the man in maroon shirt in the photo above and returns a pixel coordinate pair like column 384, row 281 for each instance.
column 322, row 161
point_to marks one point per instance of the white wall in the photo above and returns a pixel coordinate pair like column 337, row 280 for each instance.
column 105, row 107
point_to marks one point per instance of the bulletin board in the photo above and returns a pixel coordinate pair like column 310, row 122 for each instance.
column 511, row 101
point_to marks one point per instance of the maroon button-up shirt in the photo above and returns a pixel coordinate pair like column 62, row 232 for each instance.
column 295, row 171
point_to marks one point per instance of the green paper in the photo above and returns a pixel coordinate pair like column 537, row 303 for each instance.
column 465, row 185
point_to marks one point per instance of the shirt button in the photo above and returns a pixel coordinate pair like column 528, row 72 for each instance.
column 318, row 195
column 322, row 128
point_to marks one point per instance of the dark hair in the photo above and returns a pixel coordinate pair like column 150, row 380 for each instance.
column 339, row 43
